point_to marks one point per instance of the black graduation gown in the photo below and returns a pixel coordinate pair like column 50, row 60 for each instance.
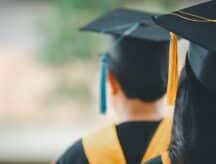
column 156, row 160
column 134, row 138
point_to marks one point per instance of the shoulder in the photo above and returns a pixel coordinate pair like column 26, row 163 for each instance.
column 74, row 154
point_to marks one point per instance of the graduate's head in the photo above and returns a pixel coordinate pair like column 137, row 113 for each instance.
column 194, row 134
column 137, row 69
column 136, row 63
column 194, row 118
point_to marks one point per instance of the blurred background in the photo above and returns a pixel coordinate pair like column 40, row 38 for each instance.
column 49, row 73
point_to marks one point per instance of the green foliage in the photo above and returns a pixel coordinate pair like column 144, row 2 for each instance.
column 65, row 43
column 88, row 4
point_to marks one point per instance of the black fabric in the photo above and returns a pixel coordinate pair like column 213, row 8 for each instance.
column 203, row 34
column 120, row 17
column 74, row 155
column 134, row 138
column 203, row 65
column 156, row 160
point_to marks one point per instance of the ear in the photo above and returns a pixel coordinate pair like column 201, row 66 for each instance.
column 113, row 83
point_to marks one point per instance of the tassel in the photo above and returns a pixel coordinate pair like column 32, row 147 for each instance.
column 103, row 60
column 103, row 75
column 173, row 70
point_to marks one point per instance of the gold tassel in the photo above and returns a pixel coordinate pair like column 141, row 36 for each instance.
column 173, row 70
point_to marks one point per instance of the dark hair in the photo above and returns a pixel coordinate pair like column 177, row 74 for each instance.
column 141, row 68
column 193, row 135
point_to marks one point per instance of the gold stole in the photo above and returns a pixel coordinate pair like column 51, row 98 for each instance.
column 165, row 158
column 160, row 140
column 103, row 147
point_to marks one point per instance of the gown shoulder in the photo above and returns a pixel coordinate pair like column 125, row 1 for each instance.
column 74, row 154
column 156, row 160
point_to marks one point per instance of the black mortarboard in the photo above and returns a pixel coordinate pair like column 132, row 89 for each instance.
column 140, row 47
column 198, row 25
column 116, row 21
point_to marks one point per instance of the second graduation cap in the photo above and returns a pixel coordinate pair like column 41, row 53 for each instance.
column 139, row 50
column 197, row 24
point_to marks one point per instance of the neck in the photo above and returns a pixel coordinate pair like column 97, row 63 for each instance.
column 137, row 110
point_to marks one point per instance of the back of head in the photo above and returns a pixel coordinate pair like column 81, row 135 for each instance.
column 193, row 139
column 140, row 66
column 202, row 102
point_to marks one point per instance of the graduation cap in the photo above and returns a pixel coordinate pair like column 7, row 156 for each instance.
column 198, row 25
column 138, row 43
column 118, row 20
